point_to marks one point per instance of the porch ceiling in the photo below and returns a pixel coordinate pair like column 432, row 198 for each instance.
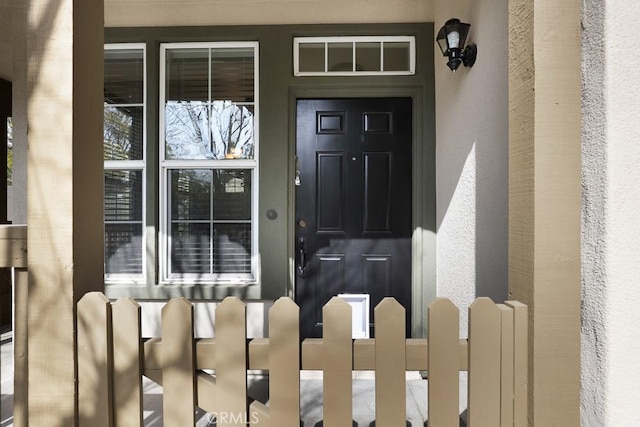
column 147, row 13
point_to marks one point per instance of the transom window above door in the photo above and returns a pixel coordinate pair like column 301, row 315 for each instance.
column 347, row 56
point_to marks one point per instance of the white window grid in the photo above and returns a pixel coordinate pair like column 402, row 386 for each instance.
column 297, row 41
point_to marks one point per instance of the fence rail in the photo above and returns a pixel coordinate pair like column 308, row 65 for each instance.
column 113, row 358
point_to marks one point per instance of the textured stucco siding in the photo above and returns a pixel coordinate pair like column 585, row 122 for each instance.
column 472, row 160
column 622, row 98
column 594, row 181
column 611, row 202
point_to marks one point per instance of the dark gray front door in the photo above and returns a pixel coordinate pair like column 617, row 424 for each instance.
column 353, row 203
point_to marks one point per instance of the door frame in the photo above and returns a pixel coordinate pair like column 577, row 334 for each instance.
column 423, row 197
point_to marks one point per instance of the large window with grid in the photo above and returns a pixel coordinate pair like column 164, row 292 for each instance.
column 124, row 161
column 208, row 162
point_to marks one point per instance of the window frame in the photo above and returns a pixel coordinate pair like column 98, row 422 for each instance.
column 133, row 165
column 354, row 39
column 166, row 165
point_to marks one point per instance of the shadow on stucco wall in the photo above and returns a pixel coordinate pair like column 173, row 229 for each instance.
column 472, row 159
column 489, row 81
column 594, row 333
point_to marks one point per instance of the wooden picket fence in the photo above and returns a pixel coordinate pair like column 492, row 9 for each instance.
column 112, row 359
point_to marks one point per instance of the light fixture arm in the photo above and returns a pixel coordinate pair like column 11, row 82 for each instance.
column 469, row 55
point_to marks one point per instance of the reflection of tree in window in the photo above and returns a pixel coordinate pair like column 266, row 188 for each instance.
column 208, row 130
column 232, row 130
column 122, row 133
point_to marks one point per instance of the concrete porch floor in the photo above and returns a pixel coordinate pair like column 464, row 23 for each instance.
column 310, row 398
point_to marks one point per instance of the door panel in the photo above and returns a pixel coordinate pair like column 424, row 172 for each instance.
column 377, row 193
column 330, row 192
column 353, row 203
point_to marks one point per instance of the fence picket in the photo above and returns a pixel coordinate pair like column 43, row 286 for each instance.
column 284, row 364
column 231, row 363
column 506, row 367
column 338, row 357
column 484, row 364
column 207, row 392
column 127, row 363
column 390, row 349
column 520, row 362
column 444, row 366
column 95, row 403
column 259, row 415
column 178, row 364
column 111, row 364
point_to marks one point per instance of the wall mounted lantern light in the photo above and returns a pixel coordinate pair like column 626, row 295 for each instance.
column 451, row 39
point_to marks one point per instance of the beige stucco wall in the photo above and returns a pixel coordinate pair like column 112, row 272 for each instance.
column 472, row 162
column 130, row 13
column 611, row 202
column 472, row 159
